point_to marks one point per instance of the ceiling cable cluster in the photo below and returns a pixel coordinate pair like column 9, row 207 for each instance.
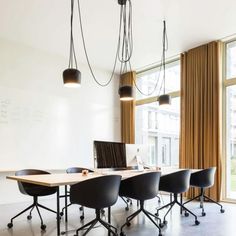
column 125, row 46
column 124, row 51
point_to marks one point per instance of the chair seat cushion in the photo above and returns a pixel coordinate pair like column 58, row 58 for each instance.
column 37, row 190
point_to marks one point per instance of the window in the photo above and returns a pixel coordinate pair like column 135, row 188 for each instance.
column 166, row 151
column 231, row 60
column 152, row 149
column 230, row 120
column 147, row 80
column 156, row 126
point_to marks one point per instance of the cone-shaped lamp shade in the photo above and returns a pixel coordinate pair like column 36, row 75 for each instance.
column 71, row 78
column 126, row 93
column 164, row 99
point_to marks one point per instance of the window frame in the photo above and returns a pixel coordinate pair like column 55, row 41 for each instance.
column 226, row 82
column 151, row 99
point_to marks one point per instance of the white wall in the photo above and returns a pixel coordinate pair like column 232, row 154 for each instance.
column 43, row 124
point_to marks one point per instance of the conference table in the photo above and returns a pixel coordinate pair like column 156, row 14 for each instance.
column 58, row 180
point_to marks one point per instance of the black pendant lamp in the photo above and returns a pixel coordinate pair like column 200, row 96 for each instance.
column 126, row 93
column 164, row 99
column 72, row 76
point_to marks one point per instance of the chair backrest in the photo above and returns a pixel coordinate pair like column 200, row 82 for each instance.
column 141, row 187
column 177, row 182
column 33, row 189
column 97, row 193
column 72, row 170
column 203, row 178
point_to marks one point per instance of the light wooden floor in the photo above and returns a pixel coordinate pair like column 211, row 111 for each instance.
column 213, row 224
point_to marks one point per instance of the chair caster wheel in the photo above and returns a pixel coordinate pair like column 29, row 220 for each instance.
column 161, row 225
column 186, row 214
column 81, row 208
column 128, row 224
column 165, row 222
column 159, row 234
column 222, row 210
column 197, row 222
column 43, row 227
column 81, row 217
column 10, row 225
column 203, row 213
column 61, row 214
column 122, row 234
column 29, row 217
column 127, row 208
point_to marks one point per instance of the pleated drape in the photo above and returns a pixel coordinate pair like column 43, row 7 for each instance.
column 200, row 135
column 128, row 111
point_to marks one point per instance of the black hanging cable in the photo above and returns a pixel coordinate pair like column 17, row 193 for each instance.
column 72, row 56
column 156, row 84
column 86, row 54
column 124, row 47
column 128, row 44
column 130, row 31
column 164, row 49
column 71, row 33
column 164, row 56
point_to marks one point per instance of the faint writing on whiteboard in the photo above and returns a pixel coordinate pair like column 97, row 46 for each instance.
column 4, row 111
column 15, row 113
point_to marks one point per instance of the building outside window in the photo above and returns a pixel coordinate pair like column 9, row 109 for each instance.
column 156, row 126
column 230, row 119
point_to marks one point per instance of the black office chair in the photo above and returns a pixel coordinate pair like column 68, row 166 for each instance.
column 141, row 187
column 128, row 201
column 35, row 191
column 97, row 193
column 204, row 179
column 175, row 183
column 74, row 170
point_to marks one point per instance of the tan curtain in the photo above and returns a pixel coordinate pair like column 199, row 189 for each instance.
column 128, row 111
column 200, row 138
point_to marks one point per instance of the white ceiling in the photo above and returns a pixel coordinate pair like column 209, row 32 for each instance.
column 44, row 24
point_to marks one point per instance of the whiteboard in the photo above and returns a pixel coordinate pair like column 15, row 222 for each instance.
column 42, row 131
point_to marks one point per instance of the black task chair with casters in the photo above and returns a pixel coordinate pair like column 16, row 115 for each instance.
column 74, row 170
column 97, row 193
column 204, row 179
column 35, row 191
column 141, row 187
column 175, row 183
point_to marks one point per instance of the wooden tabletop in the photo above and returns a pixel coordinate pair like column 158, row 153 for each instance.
column 52, row 180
